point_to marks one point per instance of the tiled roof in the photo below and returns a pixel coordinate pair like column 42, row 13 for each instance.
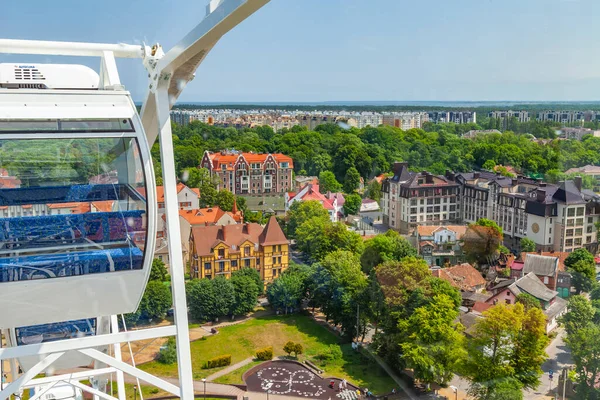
column 587, row 169
column 78, row 208
column 480, row 306
column 207, row 237
column 313, row 194
column 532, row 285
column 517, row 265
column 160, row 192
column 429, row 230
column 206, row 216
column 540, row 265
column 228, row 158
column 272, row 234
column 503, row 284
column 462, row 276
column 104, row 206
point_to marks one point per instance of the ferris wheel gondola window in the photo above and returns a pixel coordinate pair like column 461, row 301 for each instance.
column 76, row 206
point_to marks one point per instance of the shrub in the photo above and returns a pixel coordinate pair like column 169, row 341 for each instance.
column 265, row 354
column 168, row 353
column 333, row 353
column 298, row 349
column 289, row 347
column 220, row 361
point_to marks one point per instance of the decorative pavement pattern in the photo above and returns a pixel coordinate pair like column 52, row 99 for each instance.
column 284, row 378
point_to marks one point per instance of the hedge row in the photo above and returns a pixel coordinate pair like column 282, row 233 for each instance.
column 220, row 361
column 265, row 354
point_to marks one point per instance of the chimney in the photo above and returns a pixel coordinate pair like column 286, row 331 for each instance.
column 540, row 252
column 543, row 184
column 577, row 180
column 541, row 195
column 515, row 182
column 475, row 175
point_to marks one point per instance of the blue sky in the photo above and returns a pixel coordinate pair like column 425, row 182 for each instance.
column 348, row 50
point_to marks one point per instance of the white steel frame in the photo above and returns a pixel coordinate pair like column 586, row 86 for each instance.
column 169, row 74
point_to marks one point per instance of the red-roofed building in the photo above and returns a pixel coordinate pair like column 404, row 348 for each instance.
column 250, row 173
column 463, row 277
column 330, row 201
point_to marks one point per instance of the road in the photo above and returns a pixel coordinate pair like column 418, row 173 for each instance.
column 559, row 357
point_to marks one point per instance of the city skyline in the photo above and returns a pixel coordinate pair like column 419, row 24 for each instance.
column 312, row 51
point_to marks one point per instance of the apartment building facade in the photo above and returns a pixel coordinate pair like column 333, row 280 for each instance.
column 559, row 217
column 250, row 173
column 410, row 199
column 222, row 250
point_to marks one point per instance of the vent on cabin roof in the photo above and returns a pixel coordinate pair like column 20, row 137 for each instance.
column 28, row 73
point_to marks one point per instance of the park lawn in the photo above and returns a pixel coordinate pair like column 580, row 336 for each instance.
column 235, row 377
column 242, row 340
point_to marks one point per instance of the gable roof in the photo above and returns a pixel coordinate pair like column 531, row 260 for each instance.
column 568, row 193
column 540, row 265
column 160, row 191
column 532, row 285
column 207, row 216
column 272, row 234
column 207, row 237
column 429, row 230
column 229, row 158
column 311, row 192
column 462, row 276
column 561, row 255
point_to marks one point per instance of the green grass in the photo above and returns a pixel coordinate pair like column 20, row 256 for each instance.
column 235, row 377
column 242, row 341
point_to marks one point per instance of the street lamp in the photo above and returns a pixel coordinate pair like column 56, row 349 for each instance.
column 455, row 390
column 204, row 382
column 267, row 394
column 134, row 392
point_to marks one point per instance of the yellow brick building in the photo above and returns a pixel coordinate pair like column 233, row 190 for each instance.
column 221, row 250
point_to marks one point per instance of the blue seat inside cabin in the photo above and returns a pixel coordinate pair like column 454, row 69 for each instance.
column 50, row 246
column 55, row 331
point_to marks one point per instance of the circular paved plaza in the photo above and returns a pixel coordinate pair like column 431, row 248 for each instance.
column 293, row 379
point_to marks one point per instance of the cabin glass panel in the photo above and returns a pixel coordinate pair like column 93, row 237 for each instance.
column 71, row 207
column 56, row 331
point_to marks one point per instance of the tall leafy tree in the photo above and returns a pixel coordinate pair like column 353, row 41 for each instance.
column 287, row 291
column 328, row 183
column 351, row 180
column 527, row 245
column 245, row 294
column 352, row 204
column 374, row 190
column 159, row 271
column 156, row 301
column 200, row 178
column 434, row 345
column 383, row 247
column 252, row 274
column 224, row 200
column 578, row 255
column 318, row 237
column 583, row 275
column 224, row 296
column 581, row 312
column 201, row 299
column 302, row 211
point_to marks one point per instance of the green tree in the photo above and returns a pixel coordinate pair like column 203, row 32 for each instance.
column 159, row 271
column 201, row 299
column 434, row 345
column 351, row 180
column 287, row 291
column 328, row 183
column 318, row 237
column 224, row 296
column 245, row 293
column 508, row 343
column 374, row 190
column 225, row 199
column 528, row 301
column 383, row 247
column 583, row 275
column 298, row 349
column 585, row 350
column 252, row 274
column 352, row 204
column 527, row 245
column 289, row 347
column 302, row 211
column 577, row 255
column 580, row 314
column 156, row 301
column 489, row 165
column 201, row 179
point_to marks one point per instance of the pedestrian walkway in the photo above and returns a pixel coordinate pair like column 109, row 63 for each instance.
column 229, row 369
column 409, row 392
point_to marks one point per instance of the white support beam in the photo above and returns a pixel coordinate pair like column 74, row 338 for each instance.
column 67, row 377
column 184, row 361
column 114, row 326
column 121, row 50
column 93, row 391
column 109, row 74
column 85, row 342
column 138, row 373
column 42, row 392
column 40, row 367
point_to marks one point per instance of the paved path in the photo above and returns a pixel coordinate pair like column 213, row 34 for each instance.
column 211, row 388
column 229, row 369
column 401, row 384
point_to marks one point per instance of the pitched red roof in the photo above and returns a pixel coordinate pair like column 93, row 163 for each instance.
column 272, row 234
column 207, row 216
column 481, row 306
column 218, row 159
column 462, row 276
column 314, row 194
column 160, row 192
